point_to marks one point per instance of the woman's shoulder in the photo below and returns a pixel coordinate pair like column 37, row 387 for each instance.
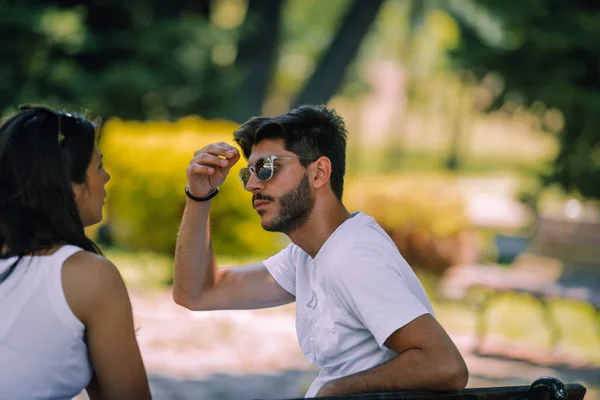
column 93, row 270
column 86, row 261
column 88, row 279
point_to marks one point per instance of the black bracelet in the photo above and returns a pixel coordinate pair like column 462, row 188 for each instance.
column 205, row 198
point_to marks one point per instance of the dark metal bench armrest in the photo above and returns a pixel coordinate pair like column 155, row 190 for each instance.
column 545, row 388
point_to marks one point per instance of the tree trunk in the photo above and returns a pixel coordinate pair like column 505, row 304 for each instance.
column 257, row 53
column 329, row 74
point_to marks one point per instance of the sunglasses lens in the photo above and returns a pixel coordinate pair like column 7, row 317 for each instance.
column 264, row 169
column 245, row 174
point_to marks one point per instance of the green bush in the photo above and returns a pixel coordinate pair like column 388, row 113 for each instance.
column 425, row 215
column 145, row 201
column 582, row 342
column 431, row 203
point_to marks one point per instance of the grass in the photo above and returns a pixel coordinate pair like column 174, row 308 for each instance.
column 154, row 271
column 572, row 326
column 566, row 326
column 146, row 271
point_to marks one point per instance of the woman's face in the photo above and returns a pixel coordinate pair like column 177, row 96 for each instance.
column 90, row 195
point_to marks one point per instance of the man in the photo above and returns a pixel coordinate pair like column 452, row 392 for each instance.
column 362, row 315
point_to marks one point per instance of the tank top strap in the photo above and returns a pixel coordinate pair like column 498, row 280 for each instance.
column 63, row 253
column 55, row 286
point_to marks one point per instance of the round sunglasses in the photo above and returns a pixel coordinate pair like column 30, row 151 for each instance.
column 264, row 168
column 63, row 117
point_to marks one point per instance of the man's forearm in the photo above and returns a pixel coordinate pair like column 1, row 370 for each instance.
column 414, row 369
column 194, row 258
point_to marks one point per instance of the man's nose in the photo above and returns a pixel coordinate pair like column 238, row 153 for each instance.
column 254, row 184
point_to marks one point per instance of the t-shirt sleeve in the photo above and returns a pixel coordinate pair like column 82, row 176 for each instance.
column 376, row 293
column 282, row 268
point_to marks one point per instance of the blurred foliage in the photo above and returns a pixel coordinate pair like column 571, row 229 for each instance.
column 562, row 328
column 426, row 216
column 142, row 270
column 145, row 204
column 455, row 316
column 542, row 54
column 157, row 60
column 328, row 77
column 529, row 325
column 300, row 47
column 216, row 58
column 234, row 58
column 583, row 341
column 410, row 201
column 135, row 60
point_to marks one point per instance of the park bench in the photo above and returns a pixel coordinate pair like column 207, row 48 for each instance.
column 544, row 388
column 565, row 239
column 568, row 240
column 560, row 261
column 566, row 254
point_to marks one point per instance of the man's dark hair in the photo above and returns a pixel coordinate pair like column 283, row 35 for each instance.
column 309, row 131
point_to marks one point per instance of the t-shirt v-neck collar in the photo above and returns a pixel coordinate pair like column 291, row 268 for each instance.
column 337, row 235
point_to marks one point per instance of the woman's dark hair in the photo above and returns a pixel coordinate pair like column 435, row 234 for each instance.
column 42, row 152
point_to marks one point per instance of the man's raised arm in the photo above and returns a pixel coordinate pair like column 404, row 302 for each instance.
column 197, row 282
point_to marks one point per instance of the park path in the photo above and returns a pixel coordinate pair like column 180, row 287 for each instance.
column 239, row 355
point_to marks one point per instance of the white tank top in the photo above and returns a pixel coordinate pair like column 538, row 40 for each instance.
column 42, row 350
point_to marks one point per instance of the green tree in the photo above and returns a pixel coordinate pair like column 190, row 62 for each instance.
column 161, row 60
column 545, row 51
column 136, row 60
column 257, row 56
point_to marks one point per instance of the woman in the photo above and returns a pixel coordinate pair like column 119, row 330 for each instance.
column 65, row 317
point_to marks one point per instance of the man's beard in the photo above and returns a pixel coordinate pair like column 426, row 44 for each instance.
column 295, row 208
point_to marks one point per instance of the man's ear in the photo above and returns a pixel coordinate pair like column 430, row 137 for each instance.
column 321, row 172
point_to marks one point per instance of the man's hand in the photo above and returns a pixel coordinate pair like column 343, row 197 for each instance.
column 209, row 168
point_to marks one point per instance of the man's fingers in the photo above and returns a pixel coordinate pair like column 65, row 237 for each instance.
column 230, row 151
column 218, row 149
column 209, row 159
column 231, row 162
column 197, row 169
column 235, row 157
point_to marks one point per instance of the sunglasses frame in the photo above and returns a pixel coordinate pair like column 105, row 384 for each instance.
column 59, row 114
column 267, row 159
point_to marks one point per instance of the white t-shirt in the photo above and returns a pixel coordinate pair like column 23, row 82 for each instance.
column 43, row 354
column 350, row 298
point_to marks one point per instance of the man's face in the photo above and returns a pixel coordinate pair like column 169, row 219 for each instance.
column 284, row 202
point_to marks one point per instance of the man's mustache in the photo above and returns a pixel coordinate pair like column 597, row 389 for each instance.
column 259, row 196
